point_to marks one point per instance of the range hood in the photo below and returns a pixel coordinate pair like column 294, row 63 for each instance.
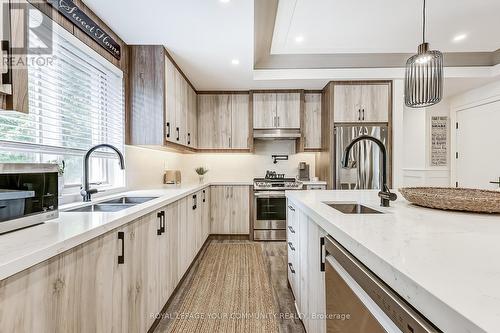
column 276, row 134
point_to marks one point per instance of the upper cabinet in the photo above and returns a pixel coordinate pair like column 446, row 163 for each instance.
column 276, row 110
column 312, row 121
column 163, row 102
column 355, row 103
column 223, row 121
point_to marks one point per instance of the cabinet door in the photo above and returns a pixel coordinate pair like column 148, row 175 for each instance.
column 192, row 128
column 205, row 219
column 239, row 121
column 240, row 210
column 214, row 121
column 183, row 251
column 288, row 110
column 264, row 110
column 347, row 103
column 220, row 214
column 194, row 225
column 312, row 121
column 180, row 108
column 172, row 225
column 375, row 103
column 170, row 101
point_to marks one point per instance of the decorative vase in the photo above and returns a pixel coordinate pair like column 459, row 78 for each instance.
column 60, row 184
column 201, row 178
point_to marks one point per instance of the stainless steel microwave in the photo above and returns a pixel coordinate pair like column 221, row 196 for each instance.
column 28, row 195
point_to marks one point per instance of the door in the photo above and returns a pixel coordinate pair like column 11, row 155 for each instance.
column 239, row 121
column 375, row 103
column 192, row 121
column 220, row 211
column 240, row 210
column 312, row 121
column 365, row 160
column 288, row 110
column 180, row 108
column 478, row 142
column 170, row 101
column 205, row 214
column 347, row 103
column 264, row 110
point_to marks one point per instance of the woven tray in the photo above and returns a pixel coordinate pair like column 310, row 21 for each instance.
column 461, row 199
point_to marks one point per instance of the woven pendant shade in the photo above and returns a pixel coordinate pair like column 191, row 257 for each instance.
column 424, row 75
column 424, row 78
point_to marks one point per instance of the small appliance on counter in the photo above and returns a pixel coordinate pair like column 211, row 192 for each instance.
column 304, row 171
column 28, row 195
column 172, row 177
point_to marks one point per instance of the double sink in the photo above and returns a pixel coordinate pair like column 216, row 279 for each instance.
column 113, row 205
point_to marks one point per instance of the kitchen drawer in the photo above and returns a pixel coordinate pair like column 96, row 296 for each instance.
column 269, row 234
column 269, row 224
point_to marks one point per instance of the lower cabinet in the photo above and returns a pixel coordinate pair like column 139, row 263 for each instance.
column 230, row 210
column 305, row 275
column 117, row 282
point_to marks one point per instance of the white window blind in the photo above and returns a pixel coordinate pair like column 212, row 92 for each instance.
column 75, row 102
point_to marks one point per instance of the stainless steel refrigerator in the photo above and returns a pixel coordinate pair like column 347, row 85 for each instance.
column 365, row 160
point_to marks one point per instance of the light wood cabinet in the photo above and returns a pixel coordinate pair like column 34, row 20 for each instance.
column 312, row 121
column 223, row 121
column 230, row 210
column 264, row 110
column 355, row 103
column 192, row 119
column 205, row 214
column 276, row 110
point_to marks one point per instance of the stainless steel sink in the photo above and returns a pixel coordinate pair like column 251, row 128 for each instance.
column 103, row 208
column 113, row 205
column 129, row 200
column 353, row 208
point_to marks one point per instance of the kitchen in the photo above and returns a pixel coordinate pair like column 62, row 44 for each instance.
column 221, row 166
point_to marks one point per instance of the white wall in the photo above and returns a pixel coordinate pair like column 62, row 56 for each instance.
column 145, row 167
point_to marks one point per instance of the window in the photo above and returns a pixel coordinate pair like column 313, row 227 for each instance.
column 75, row 102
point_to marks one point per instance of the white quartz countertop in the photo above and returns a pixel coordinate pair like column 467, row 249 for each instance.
column 445, row 264
column 24, row 248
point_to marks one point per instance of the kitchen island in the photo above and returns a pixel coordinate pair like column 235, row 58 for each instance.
column 444, row 264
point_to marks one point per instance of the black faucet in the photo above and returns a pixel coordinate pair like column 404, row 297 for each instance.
column 385, row 194
column 86, row 192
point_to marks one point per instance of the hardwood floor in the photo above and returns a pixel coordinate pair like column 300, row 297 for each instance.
column 275, row 260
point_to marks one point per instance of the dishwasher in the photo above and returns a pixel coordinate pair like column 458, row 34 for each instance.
column 357, row 301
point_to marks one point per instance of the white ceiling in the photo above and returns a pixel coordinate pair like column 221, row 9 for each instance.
column 384, row 26
column 204, row 36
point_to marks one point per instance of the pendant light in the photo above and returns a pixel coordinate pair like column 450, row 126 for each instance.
column 424, row 75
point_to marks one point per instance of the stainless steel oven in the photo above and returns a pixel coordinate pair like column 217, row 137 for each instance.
column 357, row 301
column 269, row 215
column 28, row 195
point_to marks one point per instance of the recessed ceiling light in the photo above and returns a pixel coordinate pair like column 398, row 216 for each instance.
column 224, row 1
column 299, row 39
column 459, row 38
column 235, row 62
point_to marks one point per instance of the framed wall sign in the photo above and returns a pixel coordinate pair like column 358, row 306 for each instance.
column 439, row 141
column 83, row 22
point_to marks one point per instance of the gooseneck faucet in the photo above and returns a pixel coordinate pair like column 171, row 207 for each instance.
column 86, row 192
column 385, row 194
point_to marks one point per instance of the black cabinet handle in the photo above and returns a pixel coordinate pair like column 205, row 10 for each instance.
column 178, row 133
column 194, row 202
column 291, row 208
column 291, row 268
column 162, row 221
column 168, row 130
column 121, row 258
column 189, row 138
column 291, row 246
column 363, row 111
column 204, row 196
column 158, row 231
column 291, row 229
column 359, row 114
column 321, row 257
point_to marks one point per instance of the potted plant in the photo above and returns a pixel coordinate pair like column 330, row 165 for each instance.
column 201, row 171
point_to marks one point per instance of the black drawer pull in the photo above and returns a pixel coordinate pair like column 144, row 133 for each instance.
column 291, row 246
column 189, row 138
column 291, row 268
column 159, row 230
column 291, row 229
column 321, row 255
column 121, row 258
column 178, row 133
column 194, row 202
column 291, row 208
column 163, row 221
column 204, row 196
column 168, row 130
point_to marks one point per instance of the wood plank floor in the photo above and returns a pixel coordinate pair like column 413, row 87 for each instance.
column 275, row 259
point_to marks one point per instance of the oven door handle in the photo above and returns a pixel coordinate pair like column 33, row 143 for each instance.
column 269, row 195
